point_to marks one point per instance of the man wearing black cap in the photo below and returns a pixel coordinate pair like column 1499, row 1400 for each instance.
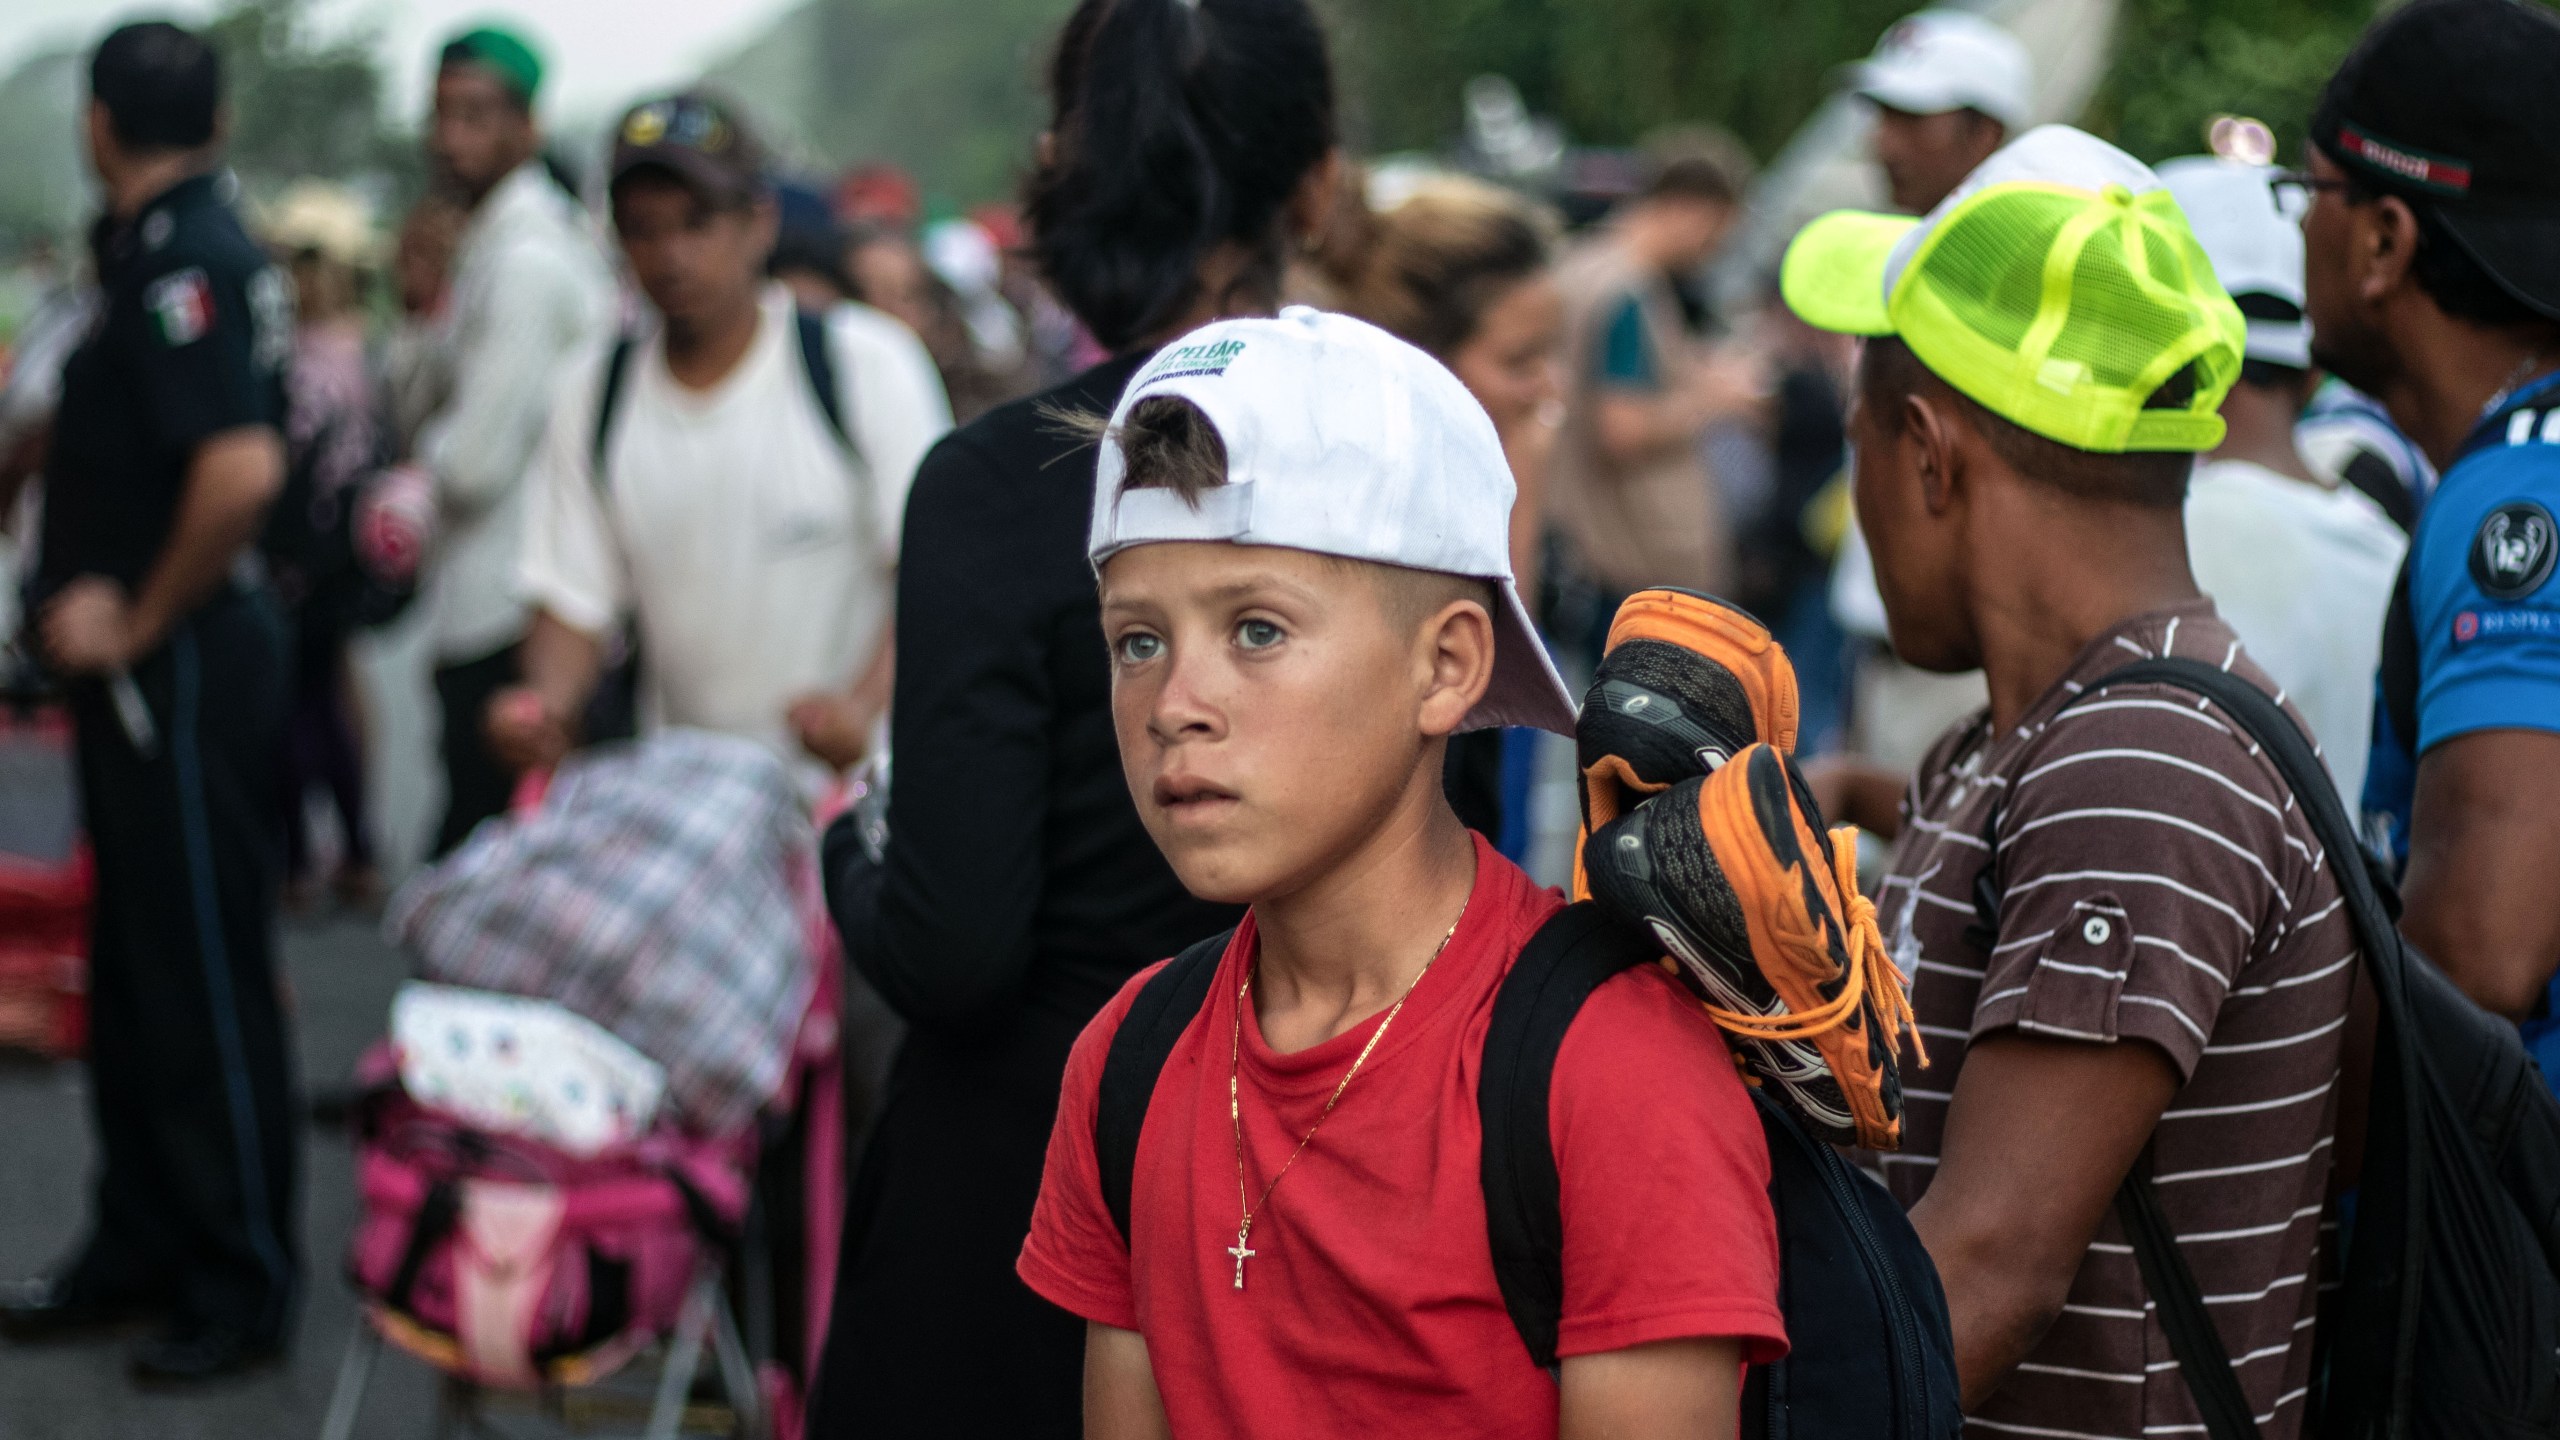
column 165, row 455
column 733, row 482
column 2432, row 282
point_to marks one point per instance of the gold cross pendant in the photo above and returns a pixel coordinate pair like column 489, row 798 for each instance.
column 1239, row 1251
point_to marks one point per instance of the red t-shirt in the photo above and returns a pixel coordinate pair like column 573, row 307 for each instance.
column 1369, row 1304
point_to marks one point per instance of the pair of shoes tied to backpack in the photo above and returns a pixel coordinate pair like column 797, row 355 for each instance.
column 1698, row 827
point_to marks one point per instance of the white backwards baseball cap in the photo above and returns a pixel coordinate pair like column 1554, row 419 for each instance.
column 1342, row 440
column 2255, row 250
column 1941, row 60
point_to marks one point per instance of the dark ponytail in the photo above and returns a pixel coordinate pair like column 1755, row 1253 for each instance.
column 1178, row 125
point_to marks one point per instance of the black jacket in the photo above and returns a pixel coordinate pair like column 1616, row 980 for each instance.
column 1016, row 872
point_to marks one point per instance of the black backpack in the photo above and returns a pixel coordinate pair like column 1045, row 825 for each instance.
column 1871, row 1355
column 613, row 712
column 2448, row 1321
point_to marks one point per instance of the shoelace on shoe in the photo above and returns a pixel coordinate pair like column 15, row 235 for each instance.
column 1866, row 951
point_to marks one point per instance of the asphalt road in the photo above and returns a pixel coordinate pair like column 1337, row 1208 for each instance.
column 342, row 978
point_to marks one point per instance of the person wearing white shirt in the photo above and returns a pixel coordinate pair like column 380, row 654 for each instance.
column 751, row 535
column 530, row 290
column 2300, row 566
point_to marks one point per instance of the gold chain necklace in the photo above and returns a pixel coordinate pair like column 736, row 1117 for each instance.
column 1242, row 1250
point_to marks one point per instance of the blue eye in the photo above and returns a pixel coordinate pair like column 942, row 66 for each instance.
column 1138, row 647
column 1258, row 634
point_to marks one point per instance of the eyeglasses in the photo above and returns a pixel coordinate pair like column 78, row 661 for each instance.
column 2296, row 189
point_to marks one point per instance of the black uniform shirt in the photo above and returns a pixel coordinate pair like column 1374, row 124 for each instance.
column 192, row 337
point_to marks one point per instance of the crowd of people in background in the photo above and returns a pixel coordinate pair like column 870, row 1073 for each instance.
column 708, row 445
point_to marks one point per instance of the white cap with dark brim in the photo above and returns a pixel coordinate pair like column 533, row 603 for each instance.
column 1343, row 440
column 2255, row 250
column 1940, row 60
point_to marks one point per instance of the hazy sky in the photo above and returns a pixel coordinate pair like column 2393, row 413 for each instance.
column 600, row 52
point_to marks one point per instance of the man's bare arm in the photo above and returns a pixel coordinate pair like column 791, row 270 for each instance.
column 2484, row 842
column 1120, row 1399
column 1634, row 425
column 22, row 461
column 1858, row 792
column 232, row 479
column 837, row 728
column 2073, row 1116
column 533, row 724
column 1669, row 1390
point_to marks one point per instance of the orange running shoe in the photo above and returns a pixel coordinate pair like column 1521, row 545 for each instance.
column 1733, row 873
column 1685, row 683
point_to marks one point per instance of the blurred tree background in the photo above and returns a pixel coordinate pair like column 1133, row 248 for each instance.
column 1610, row 70
column 302, row 104
column 307, row 105
column 953, row 91
column 2180, row 62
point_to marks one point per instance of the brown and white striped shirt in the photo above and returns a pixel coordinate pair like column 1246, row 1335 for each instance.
column 2157, row 883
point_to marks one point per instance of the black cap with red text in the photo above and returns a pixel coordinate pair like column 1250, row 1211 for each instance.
column 2455, row 105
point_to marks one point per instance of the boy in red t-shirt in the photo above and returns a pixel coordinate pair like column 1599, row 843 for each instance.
column 1302, row 531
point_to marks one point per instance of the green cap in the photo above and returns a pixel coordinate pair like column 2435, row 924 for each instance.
column 504, row 52
column 2059, row 287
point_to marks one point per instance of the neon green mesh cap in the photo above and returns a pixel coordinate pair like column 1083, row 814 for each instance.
column 2059, row 287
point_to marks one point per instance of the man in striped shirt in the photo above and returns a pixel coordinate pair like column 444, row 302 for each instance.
column 2123, row 940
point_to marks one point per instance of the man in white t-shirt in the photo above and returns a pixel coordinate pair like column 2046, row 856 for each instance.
column 732, row 482
column 530, row 290
column 2300, row 566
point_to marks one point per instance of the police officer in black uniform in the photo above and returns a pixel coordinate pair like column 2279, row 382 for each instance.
column 165, row 454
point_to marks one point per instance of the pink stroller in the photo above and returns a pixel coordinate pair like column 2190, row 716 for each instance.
column 510, row 1262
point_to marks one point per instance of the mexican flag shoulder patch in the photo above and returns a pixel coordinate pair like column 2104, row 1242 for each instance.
column 181, row 306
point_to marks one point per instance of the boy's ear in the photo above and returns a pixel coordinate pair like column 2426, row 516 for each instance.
column 1458, row 645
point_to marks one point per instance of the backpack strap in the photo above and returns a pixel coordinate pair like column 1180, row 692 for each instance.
column 1573, row 954
column 2369, row 902
column 2373, row 475
column 617, row 369
column 817, row 360
column 2373, row 904
column 1165, row 1007
column 2212, row 1382
column 439, row 1210
column 2399, row 660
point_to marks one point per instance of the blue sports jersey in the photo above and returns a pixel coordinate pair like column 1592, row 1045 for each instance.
column 2483, row 611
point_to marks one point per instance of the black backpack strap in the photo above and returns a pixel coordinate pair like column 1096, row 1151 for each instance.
column 1573, row 954
column 1984, row 933
column 438, row 1211
column 2372, row 903
column 818, row 360
column 2381, row 484
column 1163, row 1009
column 2369, row 903
column 2399, row 661
column 617, row 369
column 2183, row 1317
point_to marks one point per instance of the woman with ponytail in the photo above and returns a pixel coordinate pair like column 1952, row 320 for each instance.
column 1191, row 149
